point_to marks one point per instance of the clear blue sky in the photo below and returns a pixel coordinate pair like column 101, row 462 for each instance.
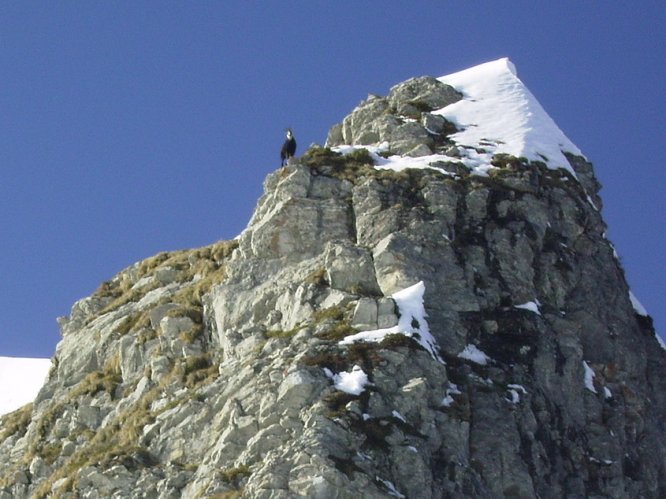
column 130, row 128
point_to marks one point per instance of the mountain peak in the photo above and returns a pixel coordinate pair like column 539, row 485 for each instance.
column 458, row 329
column 499, row 114
column 468, row 119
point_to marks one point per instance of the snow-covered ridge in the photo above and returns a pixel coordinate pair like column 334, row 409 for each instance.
column 20, row 381
column 497, row 115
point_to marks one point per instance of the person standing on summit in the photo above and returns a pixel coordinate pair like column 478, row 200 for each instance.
column 288, row 148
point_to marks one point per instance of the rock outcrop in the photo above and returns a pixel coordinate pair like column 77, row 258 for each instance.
column 372, row 333
column 403, row 119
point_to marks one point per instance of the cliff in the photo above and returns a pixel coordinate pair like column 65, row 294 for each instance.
column 417, row 310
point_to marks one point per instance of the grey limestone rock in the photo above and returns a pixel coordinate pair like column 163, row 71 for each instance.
column 218, row 371
column 357, row 127
column 407, row 136
column 403, row 119
column 350, row 268
column 411, row 97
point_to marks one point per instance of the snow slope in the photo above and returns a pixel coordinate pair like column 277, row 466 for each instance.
column 497, row 114
column 20, row 381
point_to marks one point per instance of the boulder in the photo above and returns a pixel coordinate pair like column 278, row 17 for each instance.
column 357, row 127
column 350, row 268
column 424, row 93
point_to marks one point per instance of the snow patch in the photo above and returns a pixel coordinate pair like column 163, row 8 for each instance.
column 397, row 415
column 514, row 392
column 412, row 322
column 661, row 342
column 498, row 114
column 20, row 381
column 638, row 307
column 518, row 387
column 392, row 491
column 531, row 306
column 352, row 382
column 607, row 462
column 515, row 397
column 589, row 378
column 448, row 400
column 473, row 354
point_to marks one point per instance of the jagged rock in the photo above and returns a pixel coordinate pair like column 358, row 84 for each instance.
column 335, row 136
column 418, row 151
column 586, row 176
column 393, row 119
column 386, row 313
column 435, row 124
column 408, row 136
column 424, row 93
column 160, row 312
column 365, row 314
column 21, row 478
column 389, row 256
column 357, row 127
column 350, row 268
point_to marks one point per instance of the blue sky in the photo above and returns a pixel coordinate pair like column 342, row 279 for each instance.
column 130, row 128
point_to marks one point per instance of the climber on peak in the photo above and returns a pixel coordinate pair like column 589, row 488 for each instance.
column 288, row 148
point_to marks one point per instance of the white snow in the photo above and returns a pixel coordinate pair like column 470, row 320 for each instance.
column 397, row 415
column 518, row 387
column 589, row 378
column 638, row 307
column 497, row 114
column 392, row 491
column 20, row 381
column 513, row 391
column 661, row 342
column 607, row 462
column 412, row 322
column 532, row 306
column 641, row 310
column 448, row 400
column 352, row 382
column 453, row 389
column 472, row 353
column 515, row 397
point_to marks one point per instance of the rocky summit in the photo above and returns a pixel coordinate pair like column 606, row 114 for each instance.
column 411, row 312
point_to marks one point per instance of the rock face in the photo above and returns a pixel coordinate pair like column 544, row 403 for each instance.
column 232, row 370
column 403, row 119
